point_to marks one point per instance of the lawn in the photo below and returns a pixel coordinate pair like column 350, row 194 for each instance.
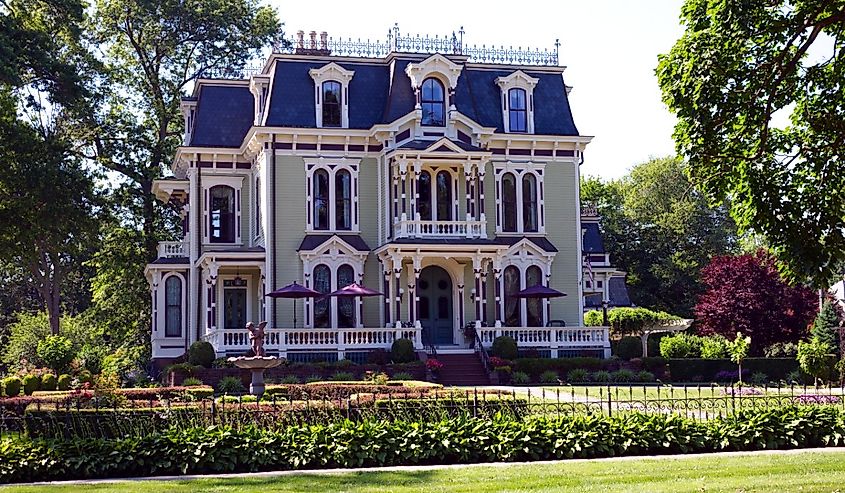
column 639, row 392
column 804, row 471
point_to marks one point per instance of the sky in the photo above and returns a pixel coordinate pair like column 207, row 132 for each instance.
column 609, row 47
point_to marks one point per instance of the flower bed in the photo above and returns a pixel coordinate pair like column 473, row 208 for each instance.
column 301, row 371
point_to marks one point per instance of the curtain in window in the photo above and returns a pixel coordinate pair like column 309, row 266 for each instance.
column 529, row 203
column 512, row 313
column 173, row 307
column 323, row 284
column 343, row 200
column 444, row 196
column 509, row 202
column 534, row 306
column 345, row 306
column 321, row 199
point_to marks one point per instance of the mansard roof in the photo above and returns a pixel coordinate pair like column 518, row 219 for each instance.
column 617, row 293
column 593, row 242
column 224, row 115
column 380, row 92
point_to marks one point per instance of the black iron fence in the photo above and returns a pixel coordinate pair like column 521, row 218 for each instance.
column 99, row 418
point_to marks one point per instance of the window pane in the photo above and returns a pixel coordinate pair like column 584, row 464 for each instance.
column 331, row 104
column 323, row 284
column 444, row 196
column 511, row 278
column 173, row 307
column 343, row 200
column 345, row 305
column 321, row 199
column 533, row 277
column 433, row 103
column 222, row 214
column 529, row 202
column 517, row 114
column 508, row 202
column 424, row 189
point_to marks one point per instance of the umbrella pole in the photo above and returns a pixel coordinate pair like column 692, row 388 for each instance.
column 294, row 313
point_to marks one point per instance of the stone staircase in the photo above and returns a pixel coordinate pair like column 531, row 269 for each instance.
column 462, row 369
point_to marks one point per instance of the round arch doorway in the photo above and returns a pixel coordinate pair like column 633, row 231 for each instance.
column 435, row 306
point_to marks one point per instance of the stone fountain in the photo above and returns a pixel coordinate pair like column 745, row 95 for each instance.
column 259, row 362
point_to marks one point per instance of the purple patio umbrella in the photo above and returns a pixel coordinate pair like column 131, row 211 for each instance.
column 294, row 291
column 355, row 290
column 540, row 291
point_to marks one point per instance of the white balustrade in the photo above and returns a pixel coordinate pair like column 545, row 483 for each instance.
column 550, row 337
column 172, row 249
column 440, row 229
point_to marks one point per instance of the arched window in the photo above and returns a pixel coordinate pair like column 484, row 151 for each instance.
column 509, row 202
column 534, row 306
column 321, row 199
column 332, row 99
column 529, row 203
column 433, row 103
column 512, row 304
column 444, row 196
column 343, row 199
column 424, row 189
column 323, row 284
column 517, row 113
column 222, row 214
column 173, row 307
column 257, row 207
column 345, row 305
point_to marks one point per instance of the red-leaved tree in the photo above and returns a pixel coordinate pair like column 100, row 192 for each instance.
column 744, row 293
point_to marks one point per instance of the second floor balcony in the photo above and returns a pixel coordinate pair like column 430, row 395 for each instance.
column 418, row 228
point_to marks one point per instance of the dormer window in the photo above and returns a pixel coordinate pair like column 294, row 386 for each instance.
column 517, row 102
column 432, row 101
column 517, row 112
column 332, row 97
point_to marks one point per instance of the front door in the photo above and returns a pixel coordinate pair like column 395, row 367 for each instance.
column 234, row 308
column 435, row 308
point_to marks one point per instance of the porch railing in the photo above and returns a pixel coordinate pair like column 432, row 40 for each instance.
column 172, row 249
column 440, row 229
column 282, row 341
column 554, row 338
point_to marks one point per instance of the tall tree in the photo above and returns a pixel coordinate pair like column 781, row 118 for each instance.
column 746, row 294
column 661, row 231
column 737, row 67
column 155, row 50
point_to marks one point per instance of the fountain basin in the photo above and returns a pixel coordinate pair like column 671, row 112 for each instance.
column 256, row 365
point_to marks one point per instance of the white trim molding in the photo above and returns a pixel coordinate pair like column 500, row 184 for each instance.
column 520, row 170
column 333, row 253
column 435, row 65
column 236, row 183
column 332, row 166
column 326, row 73
column 518, row 80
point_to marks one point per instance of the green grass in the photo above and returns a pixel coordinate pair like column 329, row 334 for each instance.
column 639, row 391
column 806, row 472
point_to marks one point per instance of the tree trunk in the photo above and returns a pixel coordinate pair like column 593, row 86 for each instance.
column 48, row 278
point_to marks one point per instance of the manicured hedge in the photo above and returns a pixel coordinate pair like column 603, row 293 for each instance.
column 389, row 443
column 536, row 366
column 705, row 370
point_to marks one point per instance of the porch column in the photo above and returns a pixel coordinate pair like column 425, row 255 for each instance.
column 397, row 306
column 261, row 304
column 415, row 196
column 548, row 301
column 476, row 268
column 461, row 306
column 359, row 301
column 386, row 290
column 395, row 209
column 481, row 214
column 307, row 302
column 497, row 274
column 413, row 281
column 154, row 282
column 211, row 298
column 468, row 190
column 484, row 273
column 403, row 176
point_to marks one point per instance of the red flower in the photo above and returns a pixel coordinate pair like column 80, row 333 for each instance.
column 433, row 365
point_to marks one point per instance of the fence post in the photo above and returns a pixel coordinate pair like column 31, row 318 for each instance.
column 609, row 402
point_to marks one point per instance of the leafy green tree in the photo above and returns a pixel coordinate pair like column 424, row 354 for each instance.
column 813, row 358
column 736, row 69
column 660, row 231
column 826, row 323
column 56, row 352
column 738, row 350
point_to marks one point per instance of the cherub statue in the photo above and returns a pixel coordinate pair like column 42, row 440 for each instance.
column 256, row 337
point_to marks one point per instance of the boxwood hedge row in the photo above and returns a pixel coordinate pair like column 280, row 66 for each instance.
column 385, row 443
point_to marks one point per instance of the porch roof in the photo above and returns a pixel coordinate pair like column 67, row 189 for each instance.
column 310, row 242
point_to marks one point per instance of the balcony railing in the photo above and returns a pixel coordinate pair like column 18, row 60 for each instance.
column 172, row 249
column 440, row 229
column 282, row 341
column 554, row 338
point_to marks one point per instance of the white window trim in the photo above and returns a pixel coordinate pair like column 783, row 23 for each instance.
column 437, row 66
column 257, row 216
column 331, row 166
column 339, row 254
column 162, row 306
column 518, row 80
column 523, row 255
column 519, row 170
column 210, row 181
column 326, row 73
column 221, row 310
column 433, row 170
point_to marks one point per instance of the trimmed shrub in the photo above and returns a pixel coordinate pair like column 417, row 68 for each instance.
column 402, row 375
column 343, row 376
column 30, row 384
column 577, row 375
column 536, row 366
column 705, row 370
column 230, row 385
column 714, row 347
column 504, row 347
column 645, row 376
column 12, row 386
column 657, row 363
column 201, row 353
column 623, row 375
column 601, row 376
column 402, row 351
column 520, row 378
column 191, row 382
column 56, row 352
column 629, row 347
column 680, row 345
column 48, row 381
column 549, row 376
column 291, row 379
column 64, row 381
